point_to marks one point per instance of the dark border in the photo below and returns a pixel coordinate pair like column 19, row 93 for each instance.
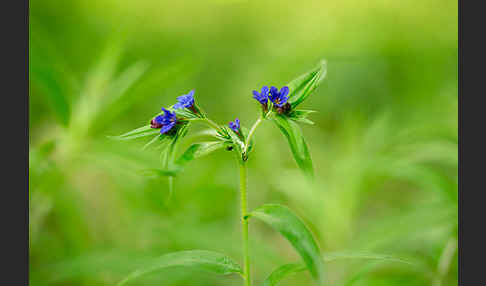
column 14, row 211
column 471, row 81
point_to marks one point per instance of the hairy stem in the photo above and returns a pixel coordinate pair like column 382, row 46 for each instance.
column 212, row 124
column 170, row 178
column 252, row 130
column 244, row 223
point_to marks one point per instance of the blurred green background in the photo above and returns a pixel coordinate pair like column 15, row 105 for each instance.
column 384, row 144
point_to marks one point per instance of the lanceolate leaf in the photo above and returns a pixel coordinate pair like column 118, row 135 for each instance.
column 198, row 150
column 297, row 143
column 156, row 137
column 301, row 116
column 282, row 272
column 206, row 260
column 135, row 133
column 294, row 230
column 301, row 87
column 184, row 114
column 288, row 269
column 332, row 256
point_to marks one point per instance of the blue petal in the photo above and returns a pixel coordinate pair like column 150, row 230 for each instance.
column 284, row 91
column 265, row 90
column 167, row 127
column 255, row 93
column 166, row 112
column 273, row 90
column 273, row 93
column 159, row 119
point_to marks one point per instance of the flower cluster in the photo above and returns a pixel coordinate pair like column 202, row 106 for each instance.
column 185, row 101
column 278, row 98
column 235, row 126
column 165, row 121
column 262, row 97
column 168, row 120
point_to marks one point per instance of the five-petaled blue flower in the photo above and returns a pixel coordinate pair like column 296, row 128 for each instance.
column 235, row 126
column 279, row 98
column 185, row 101
column 262, row 97
column 165, row 121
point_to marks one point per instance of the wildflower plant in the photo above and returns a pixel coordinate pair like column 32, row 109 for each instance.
column 279, row 106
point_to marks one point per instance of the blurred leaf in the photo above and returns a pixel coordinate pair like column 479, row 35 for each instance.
column 294, row 230
column 281, row 272
column 198, row 150
column 288, row 269
column 301, row 87
column 296, row 142
column 332, row 256
column 206, row 260
column 115, row 92
column 155, row 173
column 50, row 73
column 125, row 81
column 146, row 83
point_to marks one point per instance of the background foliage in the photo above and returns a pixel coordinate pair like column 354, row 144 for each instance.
column 384, row 144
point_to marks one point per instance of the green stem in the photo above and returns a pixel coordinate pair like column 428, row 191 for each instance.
column 244, row 223
column 212, row 124
column 252, row 130
column 207, row 121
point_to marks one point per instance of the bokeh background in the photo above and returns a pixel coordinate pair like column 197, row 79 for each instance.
column 384, row 144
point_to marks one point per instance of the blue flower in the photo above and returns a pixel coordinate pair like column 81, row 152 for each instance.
column 261, row 97
column 165, row 122
column 235, row 126
column 279, row 98
column 185, row 101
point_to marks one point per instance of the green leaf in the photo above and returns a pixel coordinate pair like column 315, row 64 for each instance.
column 136, row 133
column 230, row 136
column 282, row 272
column 332, row 256
column 185, row 114
column 156, row 173
column 198, row 150
column 301, row 87
column 288, row 269
column 206, row 260
column 294, row 230
column 297, row 143
column 50, row 75
column 156, row 137
column 301, row 116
